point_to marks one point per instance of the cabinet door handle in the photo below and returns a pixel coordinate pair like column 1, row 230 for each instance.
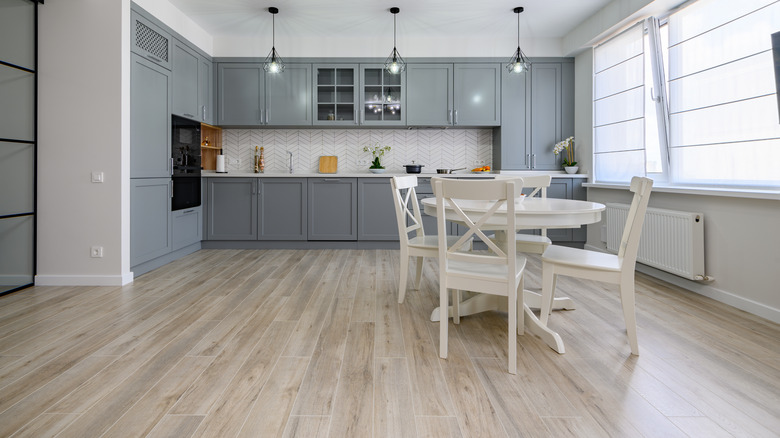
column 533, row 161
column 189, row 115
column 456, row 117
column 170, row 165
column 267, row 116
column 203, row 111
column 170, row 187
column 332, row 180
column 187, row 211
column 528, row 160
column 449, row 116
column 260, row 117
column 356, row 117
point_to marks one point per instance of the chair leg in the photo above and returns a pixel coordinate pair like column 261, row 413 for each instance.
column 443, row 321
column 548, row 291
column 456, row 296
column 404, row 268
column 418, row 279
column 512, row 329
column 520, row 306
column 629, row 313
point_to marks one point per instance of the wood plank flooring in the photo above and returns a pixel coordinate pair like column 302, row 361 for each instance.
column 312, row 343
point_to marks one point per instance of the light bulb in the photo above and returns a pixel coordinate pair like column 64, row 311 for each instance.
column 394, row 68
column 273, row 67
column 518, row 67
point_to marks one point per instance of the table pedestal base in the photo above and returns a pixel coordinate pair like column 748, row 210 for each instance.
column 484, row 302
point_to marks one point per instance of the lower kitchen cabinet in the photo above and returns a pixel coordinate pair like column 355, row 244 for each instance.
column 376, row 210
column 232, row 209
column 282, row 208
column 332, row 209
column 567, row 188
column 187, row 227
column 150, row 219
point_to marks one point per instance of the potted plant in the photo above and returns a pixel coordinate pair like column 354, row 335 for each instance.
column 377, row 152
column 569, row 165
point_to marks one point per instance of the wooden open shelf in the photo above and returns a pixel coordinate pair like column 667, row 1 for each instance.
column 208, row 154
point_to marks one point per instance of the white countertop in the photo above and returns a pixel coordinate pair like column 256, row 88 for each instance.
column 459, row 174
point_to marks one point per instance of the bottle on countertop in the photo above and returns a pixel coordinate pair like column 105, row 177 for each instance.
column 257, row 161
column 261, row 164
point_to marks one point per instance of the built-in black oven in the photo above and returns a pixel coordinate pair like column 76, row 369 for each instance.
column 185, row 156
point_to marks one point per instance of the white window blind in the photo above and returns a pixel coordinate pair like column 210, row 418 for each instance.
column 618, row 107
column 724, row 126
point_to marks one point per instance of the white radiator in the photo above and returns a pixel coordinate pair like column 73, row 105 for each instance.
column 672, row 241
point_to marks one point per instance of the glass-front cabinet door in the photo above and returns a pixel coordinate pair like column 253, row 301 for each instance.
column 383, row 96
column 335, row 90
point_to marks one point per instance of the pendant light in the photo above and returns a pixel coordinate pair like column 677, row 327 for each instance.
column 273, row 62
column 519, row 63
column 395, row 63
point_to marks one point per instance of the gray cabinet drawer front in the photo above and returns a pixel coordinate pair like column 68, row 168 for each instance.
column 332, row 208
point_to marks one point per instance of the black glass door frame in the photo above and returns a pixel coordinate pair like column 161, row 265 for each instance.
column 14, row 221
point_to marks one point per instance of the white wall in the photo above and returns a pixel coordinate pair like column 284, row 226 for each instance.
column 83, row 116
column 742, row 245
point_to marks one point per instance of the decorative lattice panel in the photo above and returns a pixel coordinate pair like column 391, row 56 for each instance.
column 151, row 41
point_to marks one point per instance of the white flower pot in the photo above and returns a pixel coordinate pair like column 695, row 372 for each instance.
column 571, row 169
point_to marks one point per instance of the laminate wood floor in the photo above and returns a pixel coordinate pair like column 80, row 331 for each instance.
column 311, row 343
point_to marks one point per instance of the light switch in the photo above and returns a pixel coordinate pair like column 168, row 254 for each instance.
column 97, row 177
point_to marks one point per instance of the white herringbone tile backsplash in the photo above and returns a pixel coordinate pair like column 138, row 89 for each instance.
column 434, row 148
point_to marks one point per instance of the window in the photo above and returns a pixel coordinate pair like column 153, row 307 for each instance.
column 719, row 118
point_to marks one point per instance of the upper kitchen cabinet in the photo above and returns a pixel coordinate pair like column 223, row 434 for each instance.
column 288, row 96
column 191, row 83
column 240, row 94
column 453, row 94
column 382, row 98
column 429, row 94
column 335, row 94
column 249, row 97
column 150, row 119
column 537, row 112
column 150, row 40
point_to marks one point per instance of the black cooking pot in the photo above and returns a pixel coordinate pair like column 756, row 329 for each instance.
column 413, row 168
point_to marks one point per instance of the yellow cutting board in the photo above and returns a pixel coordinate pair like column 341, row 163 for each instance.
column 329, row 164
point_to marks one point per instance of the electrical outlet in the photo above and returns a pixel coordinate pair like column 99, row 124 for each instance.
column 479, row 162
column 97, row 177
column 362, row 162
column 96, row 252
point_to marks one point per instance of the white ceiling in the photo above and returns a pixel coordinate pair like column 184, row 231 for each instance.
column 428, row 22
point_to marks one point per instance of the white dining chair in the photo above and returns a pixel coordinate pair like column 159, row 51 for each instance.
column 610, row 268
column 419, row 246
column 532, row 243
column 497, row 271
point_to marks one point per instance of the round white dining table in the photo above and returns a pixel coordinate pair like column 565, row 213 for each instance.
column 530, row 213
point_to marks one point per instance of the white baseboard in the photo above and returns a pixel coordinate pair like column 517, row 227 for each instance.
column 84, row 280
column 706, row 290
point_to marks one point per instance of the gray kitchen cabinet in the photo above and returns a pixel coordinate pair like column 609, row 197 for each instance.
column 150, row 40
column 249, row 97
column 187, row 227
column 477, row 95
column 205, row 90
column 192, row 83
column 429, row 91
column 424, row 190
column 509, row 141
column 241, row 94
column 537, row 112
column 335, row 88
column 186, row 66
column 150, row 219
column 332, row 208
column 282, row 208
column 376, row 210
column 567, row 188
column 288, row 98
column 150, row 120
column 453, row 94
column 382, row 96
column 545, row 114
column 232, row 209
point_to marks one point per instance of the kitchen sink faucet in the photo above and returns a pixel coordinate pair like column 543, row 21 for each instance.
column 291, row 158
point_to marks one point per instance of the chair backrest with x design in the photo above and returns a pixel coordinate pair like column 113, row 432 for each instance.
column 406, row 207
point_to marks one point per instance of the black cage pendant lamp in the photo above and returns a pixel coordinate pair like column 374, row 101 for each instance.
column 395, row 63
column 519, row 63
column 273, row 62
